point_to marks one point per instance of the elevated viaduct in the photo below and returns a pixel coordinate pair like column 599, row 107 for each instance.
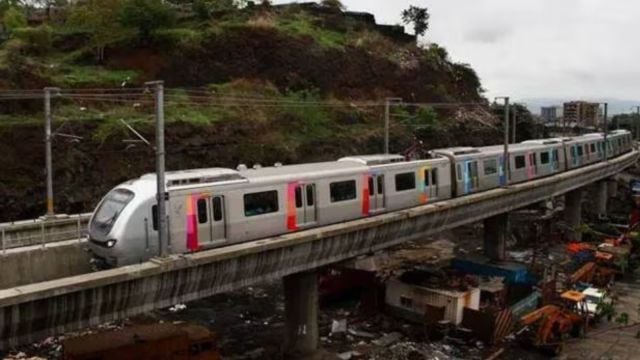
column 32, row 312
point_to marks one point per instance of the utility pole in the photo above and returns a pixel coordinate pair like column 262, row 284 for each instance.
column 505, row 156
column 158, row 87
column 515, row 119
column 637, row 122
column 387, row 115
column 606, row 131
column 48, row 156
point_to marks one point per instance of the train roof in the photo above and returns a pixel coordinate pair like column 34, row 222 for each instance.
column 306, row 170
column 374, row 159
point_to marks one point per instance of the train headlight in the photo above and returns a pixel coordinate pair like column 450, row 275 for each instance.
column 111, row 243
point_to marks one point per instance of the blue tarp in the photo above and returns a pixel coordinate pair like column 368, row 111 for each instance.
column 513, row 273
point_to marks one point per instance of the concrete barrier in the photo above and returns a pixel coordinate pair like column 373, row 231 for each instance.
column 32, row 312
column 36, row 264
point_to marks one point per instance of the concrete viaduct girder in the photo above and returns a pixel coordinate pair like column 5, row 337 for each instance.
column 32, row 312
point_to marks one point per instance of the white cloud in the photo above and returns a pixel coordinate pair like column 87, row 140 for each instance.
column 535, row 48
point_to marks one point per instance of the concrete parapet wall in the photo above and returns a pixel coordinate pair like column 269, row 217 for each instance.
column 36, row 264
column 38, row 231
column 31, row 312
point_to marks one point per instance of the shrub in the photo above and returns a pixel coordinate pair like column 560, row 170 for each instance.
column 38, row 40
column 146, row 16
column 14, row 18
column 180, row 36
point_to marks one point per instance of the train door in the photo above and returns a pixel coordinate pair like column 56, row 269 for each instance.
column 376, row 193
column 211, row 220
column 431, row 183
column 306, row 204
column 470, row 177
column 219, row 228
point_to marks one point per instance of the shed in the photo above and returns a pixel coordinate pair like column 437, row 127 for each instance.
column 409, row 300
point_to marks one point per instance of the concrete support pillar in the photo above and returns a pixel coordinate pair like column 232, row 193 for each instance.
column 496, row 229
column 301, row 314
column 602, row 194
column 573, row 214
column 613, row 188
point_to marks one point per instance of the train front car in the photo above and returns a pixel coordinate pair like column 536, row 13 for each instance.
column 118, row 228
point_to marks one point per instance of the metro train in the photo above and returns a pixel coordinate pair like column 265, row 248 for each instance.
column 209, row 208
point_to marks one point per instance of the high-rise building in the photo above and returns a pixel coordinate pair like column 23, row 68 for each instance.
column 582, row 113
column 549, row 114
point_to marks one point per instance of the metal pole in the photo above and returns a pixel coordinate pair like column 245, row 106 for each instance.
column 515, row 119
column 606, row 131
column 42, row 234
column 637, row 122
column 387, row 115
column 386, row 125
column 506, row 141
column 48, row 156
column 160, row 165
column 79, row 230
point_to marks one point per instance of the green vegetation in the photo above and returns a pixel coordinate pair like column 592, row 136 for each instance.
column 288, row 60
column 13, row 18
column 303, row 25
column 83, row 76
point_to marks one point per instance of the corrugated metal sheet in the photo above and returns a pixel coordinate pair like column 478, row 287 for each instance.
column 513, row 273
column 416, row 298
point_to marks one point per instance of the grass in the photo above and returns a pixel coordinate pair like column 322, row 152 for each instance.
column 302, row 25
column 78, row 76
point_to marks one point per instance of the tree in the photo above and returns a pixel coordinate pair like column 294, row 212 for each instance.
column 14, row 18
column 99, row 18
column 419, row 17
column 7, row 4
column 146, row 16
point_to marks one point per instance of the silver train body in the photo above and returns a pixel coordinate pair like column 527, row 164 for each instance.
column 209, row 208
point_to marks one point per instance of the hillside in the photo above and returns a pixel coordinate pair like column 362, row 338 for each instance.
column 291, row 83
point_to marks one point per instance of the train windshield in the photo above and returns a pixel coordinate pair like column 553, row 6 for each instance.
column 108, row 212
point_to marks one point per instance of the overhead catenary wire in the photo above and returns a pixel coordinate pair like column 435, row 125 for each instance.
column 208, row 98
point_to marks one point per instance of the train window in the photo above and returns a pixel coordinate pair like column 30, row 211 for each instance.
column 579, row 148
column 405, row 181
column 260, row 203
column 520, row 162
column 380, row 184
column 434, row 177
column 459, row 172
column 202, row 211
column 371, row 189
column 490, row 166
column 342, row 190
column 217, row 208
column 544, row 158
column 427, row 177
column 298, row 197
column 310, row 195
column 593, row 148
column 533, row 159
column 154, row 217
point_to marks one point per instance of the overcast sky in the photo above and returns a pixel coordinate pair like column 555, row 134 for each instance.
column 564, row 49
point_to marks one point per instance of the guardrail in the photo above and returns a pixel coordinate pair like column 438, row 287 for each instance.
column 41, row 231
